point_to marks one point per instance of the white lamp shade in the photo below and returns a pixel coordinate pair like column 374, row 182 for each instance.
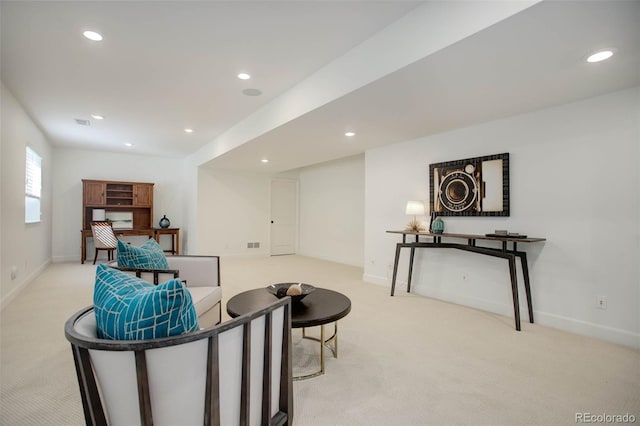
column 415, row 208
column 99, row 215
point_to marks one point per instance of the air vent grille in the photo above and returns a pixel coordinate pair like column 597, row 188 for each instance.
column 81, row 122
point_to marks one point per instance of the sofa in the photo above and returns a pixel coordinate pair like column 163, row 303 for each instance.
column 201, row 275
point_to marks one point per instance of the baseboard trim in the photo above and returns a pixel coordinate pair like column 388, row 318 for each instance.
column 572, row 325
column 71, row 258
column 590, row 329
column 357, row 264
column 383, row 281
column 245, row 255
column 20, row 287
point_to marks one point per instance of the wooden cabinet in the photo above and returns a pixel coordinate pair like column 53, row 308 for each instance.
column 126, row 197
column 142, row 194
column 94, row 193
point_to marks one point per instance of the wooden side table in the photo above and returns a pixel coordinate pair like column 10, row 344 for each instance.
column 175, row 238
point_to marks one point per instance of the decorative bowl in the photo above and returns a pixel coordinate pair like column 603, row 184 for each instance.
column 280, row 291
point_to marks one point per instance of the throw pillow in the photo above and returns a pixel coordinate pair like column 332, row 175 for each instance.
column 128, row 308
column 148, row 256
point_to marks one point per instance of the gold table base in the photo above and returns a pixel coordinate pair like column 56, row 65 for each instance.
column 331, row 343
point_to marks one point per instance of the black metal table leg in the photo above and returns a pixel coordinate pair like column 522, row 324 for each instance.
column 527, row 286
column 514, row 290
column 413, row 251
column 395, row 268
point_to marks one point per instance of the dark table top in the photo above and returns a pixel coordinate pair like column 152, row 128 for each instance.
column 490, row 237
column 322, row 306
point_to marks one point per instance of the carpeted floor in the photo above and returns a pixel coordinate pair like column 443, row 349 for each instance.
column 406, row 360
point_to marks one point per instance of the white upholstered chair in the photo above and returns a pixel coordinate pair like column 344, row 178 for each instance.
column 104, row 239
column 201, row 274
column 237, row 373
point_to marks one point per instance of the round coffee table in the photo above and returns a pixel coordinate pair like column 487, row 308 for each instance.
column 320, row 307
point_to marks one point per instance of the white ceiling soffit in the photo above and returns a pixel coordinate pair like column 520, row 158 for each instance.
column 533, row 60
column 169, row 65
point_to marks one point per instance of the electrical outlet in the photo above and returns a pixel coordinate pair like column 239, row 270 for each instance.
column 256, row 245
column 601, row 302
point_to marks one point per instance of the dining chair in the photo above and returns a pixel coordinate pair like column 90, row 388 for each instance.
column 104, row 239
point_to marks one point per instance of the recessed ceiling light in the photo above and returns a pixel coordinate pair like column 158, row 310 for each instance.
column 252, row 92
column 264, row 160
column 600, row 55
column 188, row 130
column 97, row 116
column 92, row 35
column 350, row 134
column 128, row 145
column 244, row 76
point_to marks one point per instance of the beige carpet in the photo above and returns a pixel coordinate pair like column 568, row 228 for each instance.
column 403, row 360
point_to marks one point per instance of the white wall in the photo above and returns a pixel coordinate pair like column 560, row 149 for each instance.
column 332, row 211
column 73, row 165
column 25, row 246
column 190, row 207
column 574, row 180
column 233, row 210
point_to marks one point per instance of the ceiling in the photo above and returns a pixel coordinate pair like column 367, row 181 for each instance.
column 165, row 66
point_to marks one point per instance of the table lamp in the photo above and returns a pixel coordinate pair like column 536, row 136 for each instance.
column 414, row 208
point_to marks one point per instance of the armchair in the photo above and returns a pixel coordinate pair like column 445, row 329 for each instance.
column 236, row 373
column 201, row 275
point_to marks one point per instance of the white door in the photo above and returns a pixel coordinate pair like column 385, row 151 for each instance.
column 284, row 224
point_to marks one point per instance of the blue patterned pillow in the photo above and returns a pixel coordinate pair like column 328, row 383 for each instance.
column 148, row 256
column 128, row 308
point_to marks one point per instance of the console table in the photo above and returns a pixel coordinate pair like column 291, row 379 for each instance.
column 504, row 253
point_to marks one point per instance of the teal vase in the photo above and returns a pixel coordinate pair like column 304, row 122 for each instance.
column 164, row 222
column 437, row 226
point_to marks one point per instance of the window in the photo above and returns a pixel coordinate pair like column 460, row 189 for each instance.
column 32, row 187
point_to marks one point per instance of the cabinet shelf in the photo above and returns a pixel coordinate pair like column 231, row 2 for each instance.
column 135, row 197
